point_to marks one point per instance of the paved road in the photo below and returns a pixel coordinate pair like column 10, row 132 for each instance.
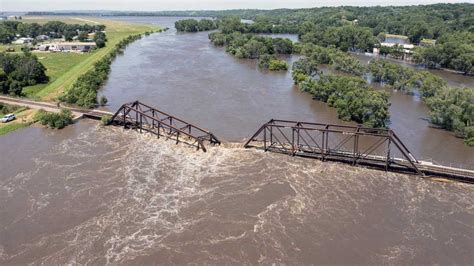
column 51, row 107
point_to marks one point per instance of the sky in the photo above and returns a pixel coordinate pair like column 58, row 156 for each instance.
column 143, row 5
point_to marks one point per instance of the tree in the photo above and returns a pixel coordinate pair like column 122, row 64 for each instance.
column 69, row 35
column 83, row 36
column 19, row 71
column 100, row 39
column 188, row 25
column 283, row 46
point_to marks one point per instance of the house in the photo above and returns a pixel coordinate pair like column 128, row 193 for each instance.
column 68, row 47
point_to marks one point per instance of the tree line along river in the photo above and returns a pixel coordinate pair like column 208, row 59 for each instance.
column 184, row 74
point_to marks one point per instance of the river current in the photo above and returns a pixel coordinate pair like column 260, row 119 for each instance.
column 97, row 195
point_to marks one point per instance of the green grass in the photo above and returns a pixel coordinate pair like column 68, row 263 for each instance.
column 56, row 65
column 65, row 68
column 23, row 120
column 17, row 47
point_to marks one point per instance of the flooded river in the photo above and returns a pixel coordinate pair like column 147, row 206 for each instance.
column 183, row 74
column 101, row 195
column 92, row 195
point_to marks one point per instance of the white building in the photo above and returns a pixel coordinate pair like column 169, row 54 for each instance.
column 68, row 47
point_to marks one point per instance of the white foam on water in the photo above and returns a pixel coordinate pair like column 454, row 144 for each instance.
column 155, row 192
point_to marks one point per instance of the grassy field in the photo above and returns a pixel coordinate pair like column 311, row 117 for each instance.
column 24, row 118
column 64, row 68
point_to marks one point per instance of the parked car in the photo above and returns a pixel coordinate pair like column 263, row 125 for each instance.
column 8, row 118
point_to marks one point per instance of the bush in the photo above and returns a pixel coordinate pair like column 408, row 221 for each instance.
column 106, row 119
column 54, row 120
column 277, row 65
column 103, row 100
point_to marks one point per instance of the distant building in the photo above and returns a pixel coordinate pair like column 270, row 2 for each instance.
column 68, row 47
column 23, row 40
column 42, row 37
column 407, row 49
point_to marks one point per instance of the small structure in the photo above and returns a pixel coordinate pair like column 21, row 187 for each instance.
column 23, row 40
column 68, row 47
column 427, row 42
column 407, row 49
column 42, row 37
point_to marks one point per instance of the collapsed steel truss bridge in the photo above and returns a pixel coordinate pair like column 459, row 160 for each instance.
column 143, row 117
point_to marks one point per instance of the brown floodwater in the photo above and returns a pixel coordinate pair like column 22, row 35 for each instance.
column 94, row 195
column 184, row 74
column 103, row 195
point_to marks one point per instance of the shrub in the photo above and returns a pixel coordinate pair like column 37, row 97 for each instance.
column 106, row 119
column 54, row 120
column 276, row 65
column 103, row 100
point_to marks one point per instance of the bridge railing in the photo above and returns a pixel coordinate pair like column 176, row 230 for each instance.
column 353, row 144
column 146, row 118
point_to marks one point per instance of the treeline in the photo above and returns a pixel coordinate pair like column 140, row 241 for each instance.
column 416, row 22
column 357, row 29
column 339, row 60
column 454, row 50
column 20, row 70
column 352, row 97
column 450, row 108
column 193, row 25
column 255, row 47
column 251, row 46
column 54, row 29
column 84, row 91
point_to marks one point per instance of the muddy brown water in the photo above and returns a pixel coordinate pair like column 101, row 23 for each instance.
column 93, row 195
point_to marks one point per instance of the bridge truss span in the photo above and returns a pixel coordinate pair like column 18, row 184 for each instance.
column 143, row 117
column 352, row 144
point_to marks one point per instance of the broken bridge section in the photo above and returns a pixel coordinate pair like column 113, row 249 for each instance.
column 137, row 115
